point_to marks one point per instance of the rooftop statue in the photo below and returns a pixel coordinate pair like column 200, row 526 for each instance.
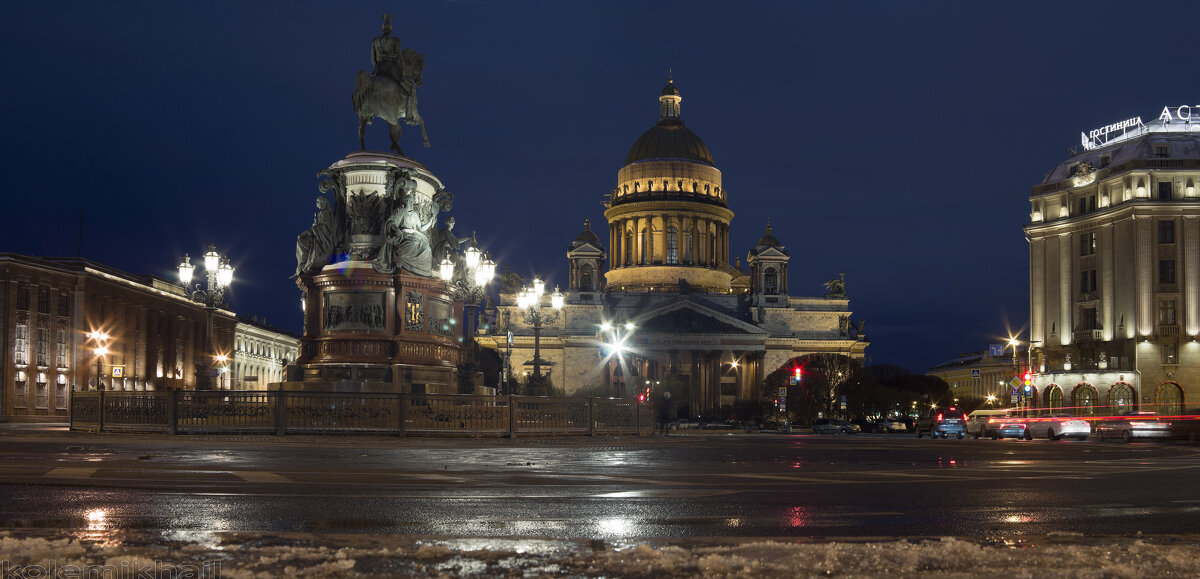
column 390, row 91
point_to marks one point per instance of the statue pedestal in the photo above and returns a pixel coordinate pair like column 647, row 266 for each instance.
column 366, row 331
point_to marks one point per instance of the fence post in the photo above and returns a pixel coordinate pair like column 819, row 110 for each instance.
column 512, row 416
column 173, row 412
column 591, row 416
column 100, row 426
column 403, row 403
column 280, row 412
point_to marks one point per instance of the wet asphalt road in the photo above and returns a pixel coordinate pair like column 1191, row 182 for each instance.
column 695, row 486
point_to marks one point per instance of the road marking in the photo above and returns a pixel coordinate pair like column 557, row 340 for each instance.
column 71, row 472
column 258, row 476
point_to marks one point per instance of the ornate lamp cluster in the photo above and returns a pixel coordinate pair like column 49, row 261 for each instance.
column 470, row 288
column 220, row 276
column 529, row 299
column 480, row 271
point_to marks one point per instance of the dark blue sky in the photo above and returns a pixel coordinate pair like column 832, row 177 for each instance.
column 895, row 141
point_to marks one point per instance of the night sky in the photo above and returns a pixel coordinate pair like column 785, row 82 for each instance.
column 895, row 142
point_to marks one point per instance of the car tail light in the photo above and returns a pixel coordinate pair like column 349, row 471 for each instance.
column 939, row 417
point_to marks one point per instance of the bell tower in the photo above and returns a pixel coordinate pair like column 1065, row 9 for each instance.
column 586, row 258
column 768, row 271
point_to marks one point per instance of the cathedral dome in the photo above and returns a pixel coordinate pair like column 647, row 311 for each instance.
column 669, row 139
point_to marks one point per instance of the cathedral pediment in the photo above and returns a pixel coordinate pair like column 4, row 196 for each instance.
column 692, row 318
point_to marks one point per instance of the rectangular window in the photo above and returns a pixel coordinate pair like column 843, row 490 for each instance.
column 1166, row 312
column 1089, row 319
column 1162, row 151
column 64, row 306
column 1166, row 271
column 1166, row 232
column 21, row 350
column 60, row 349
column 1091, row 203
column 1087, row 282
column 41, row 395
column 43, row 346
column 1164, row 190
column 60, row 393
column 1105, row 161
column 1082, row 205
column 23, row 298
column 1169, row 355
column 19, row 391
column 1087, row 244
column 43, row 301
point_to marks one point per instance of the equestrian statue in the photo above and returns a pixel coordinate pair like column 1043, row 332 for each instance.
column 390, row 91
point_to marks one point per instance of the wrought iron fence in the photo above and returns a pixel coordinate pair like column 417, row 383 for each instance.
column 283, row 412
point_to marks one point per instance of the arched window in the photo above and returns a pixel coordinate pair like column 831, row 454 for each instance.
column 628, row 248
column 770, row 281
column 673, row 244
column 585, row 278
column 644, row 256
column 687, row 248
column 1120, row 398
column 1054, row 398
column 1083, row 399
column 1169, row 398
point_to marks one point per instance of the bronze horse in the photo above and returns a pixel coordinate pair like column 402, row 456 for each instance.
column 380, row 96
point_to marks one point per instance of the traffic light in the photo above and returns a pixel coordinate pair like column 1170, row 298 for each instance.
column 1028, row 378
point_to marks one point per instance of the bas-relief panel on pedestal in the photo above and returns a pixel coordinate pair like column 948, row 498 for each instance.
column 355, row 310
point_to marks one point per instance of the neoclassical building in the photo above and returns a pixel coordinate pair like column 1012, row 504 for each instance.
column 260, row 352
column 51, row 312
column 1114, row 270
column 662, row 268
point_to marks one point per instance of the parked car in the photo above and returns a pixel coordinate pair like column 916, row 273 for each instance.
column 849, row 427
column 831, row 426
column 888, row 425
column 985, row 422
column 1140, row 424
column 942, row 422
column 1008, row 428
column 1056, row 426
column 863, row 424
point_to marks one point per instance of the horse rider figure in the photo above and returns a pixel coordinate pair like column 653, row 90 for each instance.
column 386, row 55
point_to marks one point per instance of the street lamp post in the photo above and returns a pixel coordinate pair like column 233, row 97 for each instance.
column 470, row 288
column 220, row 276
column 530, row 302
column 616, row 344
column 101, row 350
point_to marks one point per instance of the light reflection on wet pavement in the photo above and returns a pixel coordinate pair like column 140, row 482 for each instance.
column 613, row 490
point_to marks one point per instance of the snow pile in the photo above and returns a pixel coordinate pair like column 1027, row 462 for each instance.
column 244, row 555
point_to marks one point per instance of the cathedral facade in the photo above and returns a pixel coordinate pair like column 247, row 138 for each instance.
column 656, row 298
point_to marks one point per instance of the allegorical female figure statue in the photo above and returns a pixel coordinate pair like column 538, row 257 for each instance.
column 406, row 246
column 315, row 244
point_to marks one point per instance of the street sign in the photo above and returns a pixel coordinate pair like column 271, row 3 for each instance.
column 1015, row 382
column 975, row 373
column 996, row 349
column 118, row 371
column 794, row 380
column 783, row 390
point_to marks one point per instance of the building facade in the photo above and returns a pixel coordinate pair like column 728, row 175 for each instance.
column 53, row 312
column 985, row 375
column 260, row 352
column 670, row 305
column 1114, row 270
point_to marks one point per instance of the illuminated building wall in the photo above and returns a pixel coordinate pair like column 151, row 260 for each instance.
column 1115, row 263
